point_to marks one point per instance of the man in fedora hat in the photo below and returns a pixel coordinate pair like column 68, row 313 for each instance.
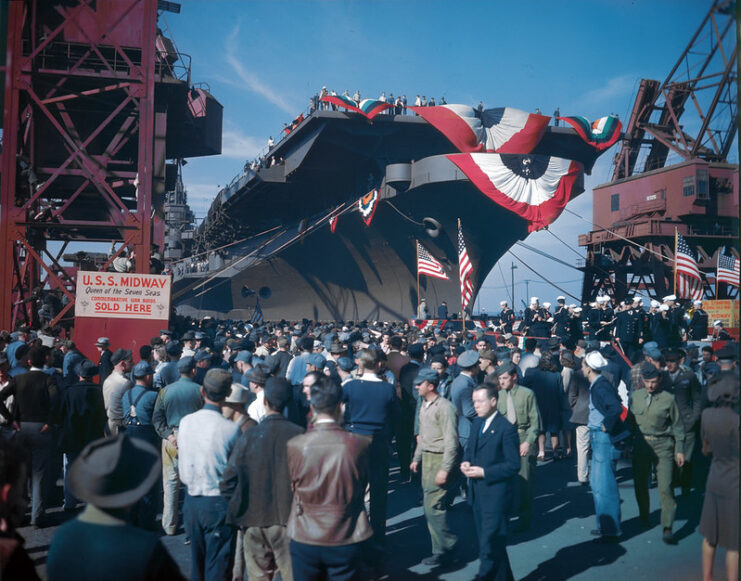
column 111, row 475
column 205, row 441
column 82, row 419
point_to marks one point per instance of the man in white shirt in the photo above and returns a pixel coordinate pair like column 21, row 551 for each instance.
column 205, row 441
column 257, row 379
column 115, row 385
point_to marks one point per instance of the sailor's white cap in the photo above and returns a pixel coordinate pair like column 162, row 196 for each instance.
column 533, row 300
column 697, row 302
column 546, row 305
column 655, row 304
column 718, row 323
column 664, row 308
column 670, row 298
column 561, row 299
column 502, row 303
column 595, row 360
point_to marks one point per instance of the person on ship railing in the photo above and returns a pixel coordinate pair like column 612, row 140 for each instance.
column 431, row 102
column 323, row 93
column 271, row 142
column 398, row 106
column 417, row 101
column 404, row 104
column 443, row 101
column 356, row 96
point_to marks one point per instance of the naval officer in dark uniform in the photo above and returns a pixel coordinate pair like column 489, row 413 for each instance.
column 698, row 327
column 506, row 318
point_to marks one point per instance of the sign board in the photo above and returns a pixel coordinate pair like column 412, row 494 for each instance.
column 725, row 310
column 115, row 295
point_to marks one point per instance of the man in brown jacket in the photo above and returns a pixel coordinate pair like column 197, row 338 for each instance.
column 328, row 466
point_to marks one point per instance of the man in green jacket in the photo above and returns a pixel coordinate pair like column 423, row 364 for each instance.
column 660, row 441
column 518, row 405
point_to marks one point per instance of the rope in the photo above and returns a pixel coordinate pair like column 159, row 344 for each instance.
column 564, row 243
column 404, row 215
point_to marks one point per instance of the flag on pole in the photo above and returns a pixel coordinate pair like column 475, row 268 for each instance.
column 728, row 270
column 257, row 318
column 426, row 264
column 465, row 269
column 333, row 223
column 689, row 279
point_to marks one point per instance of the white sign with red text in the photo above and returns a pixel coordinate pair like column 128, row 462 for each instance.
column 122, row 295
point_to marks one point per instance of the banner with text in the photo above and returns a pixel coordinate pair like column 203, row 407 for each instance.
column 122, row 295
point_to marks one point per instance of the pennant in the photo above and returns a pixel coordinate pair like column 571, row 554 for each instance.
column 600, row 134
column 501, row 130
column 333, row 223
column 367, row 206
column 535, row 187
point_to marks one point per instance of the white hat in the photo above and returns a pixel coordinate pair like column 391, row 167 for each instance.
column 561, row 299
column 664, row 307
column 577, row 309
column 238, row 394
column 622, row 303
column 602, row 299
column 546, row 305
column 502, row 303
column 670, row 298
column 533, row 300
column 655, row 304
column 638, row 300
column 595, row 360
column 697, row 302
column 718, row 323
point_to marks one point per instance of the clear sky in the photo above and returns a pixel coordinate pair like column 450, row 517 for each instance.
column 264, row 59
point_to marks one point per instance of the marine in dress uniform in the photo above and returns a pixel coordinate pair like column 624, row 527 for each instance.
column 659, row 441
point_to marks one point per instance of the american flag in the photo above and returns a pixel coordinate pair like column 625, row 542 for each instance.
column 426, row 264
column 689, row 279
column 465, row 267
column 728, row 270
column 257, row 318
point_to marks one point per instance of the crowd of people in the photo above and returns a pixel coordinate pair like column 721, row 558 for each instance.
column 280, row 437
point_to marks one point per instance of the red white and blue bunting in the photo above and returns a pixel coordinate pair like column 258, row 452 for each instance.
column 367, row 107
column 600, row 134
column 535, row 187
column 367, row 206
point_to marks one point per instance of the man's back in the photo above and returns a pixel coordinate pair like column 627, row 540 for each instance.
column 329, row 472
column 35, row 396
column 372, row 406
column 174, row 402
column 256, row 482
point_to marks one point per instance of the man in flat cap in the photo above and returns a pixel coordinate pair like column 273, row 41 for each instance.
column 518, row 405
column 110, row 475
column 105, row 367
column 115, row 386
column 659, row 441
column 437, row 453
column 173, row 403
column 205, row 441
column 461, row 393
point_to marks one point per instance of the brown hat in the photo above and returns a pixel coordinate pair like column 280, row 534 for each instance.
column 115, row 472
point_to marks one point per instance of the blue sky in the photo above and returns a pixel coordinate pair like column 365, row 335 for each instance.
column 264, row 59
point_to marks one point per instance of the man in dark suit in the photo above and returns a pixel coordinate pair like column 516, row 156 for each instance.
column 490, row 462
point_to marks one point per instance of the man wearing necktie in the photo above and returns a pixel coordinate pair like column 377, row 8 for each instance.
column 490, row 461
column 517, row 404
